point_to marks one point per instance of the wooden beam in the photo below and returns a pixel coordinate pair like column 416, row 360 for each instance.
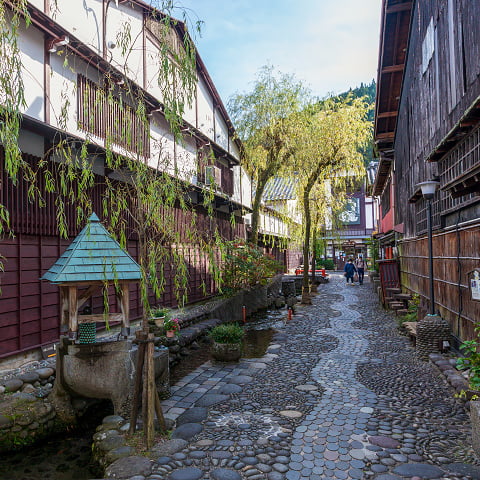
column 387, row 114
column 393, row 68
column 100, row 317
column 399, row 7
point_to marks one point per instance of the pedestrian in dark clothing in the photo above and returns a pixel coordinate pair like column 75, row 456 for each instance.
column 350, row 270
column 360, row 265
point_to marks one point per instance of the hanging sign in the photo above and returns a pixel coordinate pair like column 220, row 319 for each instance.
column 474, row 283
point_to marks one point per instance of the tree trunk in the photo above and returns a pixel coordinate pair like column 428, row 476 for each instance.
column 256, row 209
column 306, row 246
column 314, row 253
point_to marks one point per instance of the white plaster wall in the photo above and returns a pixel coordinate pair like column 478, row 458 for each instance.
column 30, row 43
column 152, row 66
column 162, row 146
column 83, row 19
column 205, row 109
column 37, row 3
column 29, row 142
column 63, row 92
column 221, row 131
column 242, row 187
column 233, row 149
column 186, row 159
column 370, row 211
column 119, row 20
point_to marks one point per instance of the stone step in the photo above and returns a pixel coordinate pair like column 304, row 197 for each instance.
column 402, row 311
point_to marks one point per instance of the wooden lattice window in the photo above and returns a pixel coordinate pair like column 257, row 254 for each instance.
column 110, row 118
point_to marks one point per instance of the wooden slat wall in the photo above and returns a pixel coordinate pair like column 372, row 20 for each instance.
column 29, row 309
column 453, row 259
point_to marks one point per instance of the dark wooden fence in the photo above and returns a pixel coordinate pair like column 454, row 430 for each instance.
column 452, row 261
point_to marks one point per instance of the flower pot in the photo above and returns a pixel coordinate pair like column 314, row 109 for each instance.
column 170, row 333
column 159, row 321
column 226, row 352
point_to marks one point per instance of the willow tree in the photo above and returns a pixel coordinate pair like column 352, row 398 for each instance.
column 264, row 119
column 328, row 152
column 145, row 191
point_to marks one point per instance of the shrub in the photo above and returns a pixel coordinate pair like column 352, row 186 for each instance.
column 246, row 265
column 411, row 315
column 160, row 312
column 227, row 333
column 471, row 361
column 327, row 264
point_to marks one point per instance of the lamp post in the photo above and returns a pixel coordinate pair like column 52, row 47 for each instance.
column 428, row 191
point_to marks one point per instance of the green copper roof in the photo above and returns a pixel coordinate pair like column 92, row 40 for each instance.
column 93, row 256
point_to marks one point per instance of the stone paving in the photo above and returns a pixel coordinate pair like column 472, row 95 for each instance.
column 338, row 395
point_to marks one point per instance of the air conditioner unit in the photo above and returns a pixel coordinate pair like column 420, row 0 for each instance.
column 247, row 221
column 213, row 176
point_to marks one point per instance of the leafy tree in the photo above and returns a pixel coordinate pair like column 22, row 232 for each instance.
column 327, row 157
column 265, row 119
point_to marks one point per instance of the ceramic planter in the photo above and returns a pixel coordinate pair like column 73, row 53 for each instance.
column 226, row 352
column 159, row 321
column 170, row 333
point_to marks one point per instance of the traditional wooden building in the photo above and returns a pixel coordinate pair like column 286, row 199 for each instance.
column 70, row 51
column 427, row 125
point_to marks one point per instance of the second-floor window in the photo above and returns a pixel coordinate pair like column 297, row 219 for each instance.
column 110, row 118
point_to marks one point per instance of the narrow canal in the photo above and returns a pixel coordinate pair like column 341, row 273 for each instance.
column 68, row 456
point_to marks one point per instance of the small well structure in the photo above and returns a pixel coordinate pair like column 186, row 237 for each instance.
column 95, row 261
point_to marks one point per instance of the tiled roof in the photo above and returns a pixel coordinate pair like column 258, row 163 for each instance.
column 93, row 256
column 279, row 188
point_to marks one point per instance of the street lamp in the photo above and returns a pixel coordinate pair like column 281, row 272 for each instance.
column 428, row 191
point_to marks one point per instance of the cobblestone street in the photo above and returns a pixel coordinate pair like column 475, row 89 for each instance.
column 340, row 394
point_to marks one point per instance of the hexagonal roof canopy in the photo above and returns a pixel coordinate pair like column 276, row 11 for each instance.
column 94, row 256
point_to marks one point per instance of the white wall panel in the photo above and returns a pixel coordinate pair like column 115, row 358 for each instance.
column 83, row 19
column 186, row 159
column 152, row 68
column 205, row 109
column 38, row 3
column 162, row 148
column 233, row 149
column 221, row 131
column 31, row 45
column 120, row 21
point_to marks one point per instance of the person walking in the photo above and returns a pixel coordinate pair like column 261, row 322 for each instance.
column 350, row 270
column 360, row 265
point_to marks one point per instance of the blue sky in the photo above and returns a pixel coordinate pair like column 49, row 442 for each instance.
column 329, row 44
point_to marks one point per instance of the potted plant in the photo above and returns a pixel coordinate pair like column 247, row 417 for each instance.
column 159, row 315
column 171, row 326
column 227, row 342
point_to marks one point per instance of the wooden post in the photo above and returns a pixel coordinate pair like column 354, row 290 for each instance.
column 64, row 323
column 138, row 382
column 148, row 420
column 73, row 309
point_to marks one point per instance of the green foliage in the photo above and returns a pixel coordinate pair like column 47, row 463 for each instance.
column 265, row 119
column 172, row 324
column 227, row 333
column 471, row 360
column 158, row 312
column 245, row 265
column 326, row 263
column 412, row 314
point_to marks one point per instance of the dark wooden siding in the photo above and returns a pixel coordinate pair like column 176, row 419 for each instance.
column 431, row 105
column 456, row 253
column 29, row 310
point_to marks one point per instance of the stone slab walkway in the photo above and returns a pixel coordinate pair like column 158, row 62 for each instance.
column 339, row 395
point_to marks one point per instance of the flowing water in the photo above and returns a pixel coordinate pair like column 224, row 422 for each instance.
column 68, row 456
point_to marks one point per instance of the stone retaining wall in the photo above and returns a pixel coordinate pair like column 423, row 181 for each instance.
column 26, row 419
